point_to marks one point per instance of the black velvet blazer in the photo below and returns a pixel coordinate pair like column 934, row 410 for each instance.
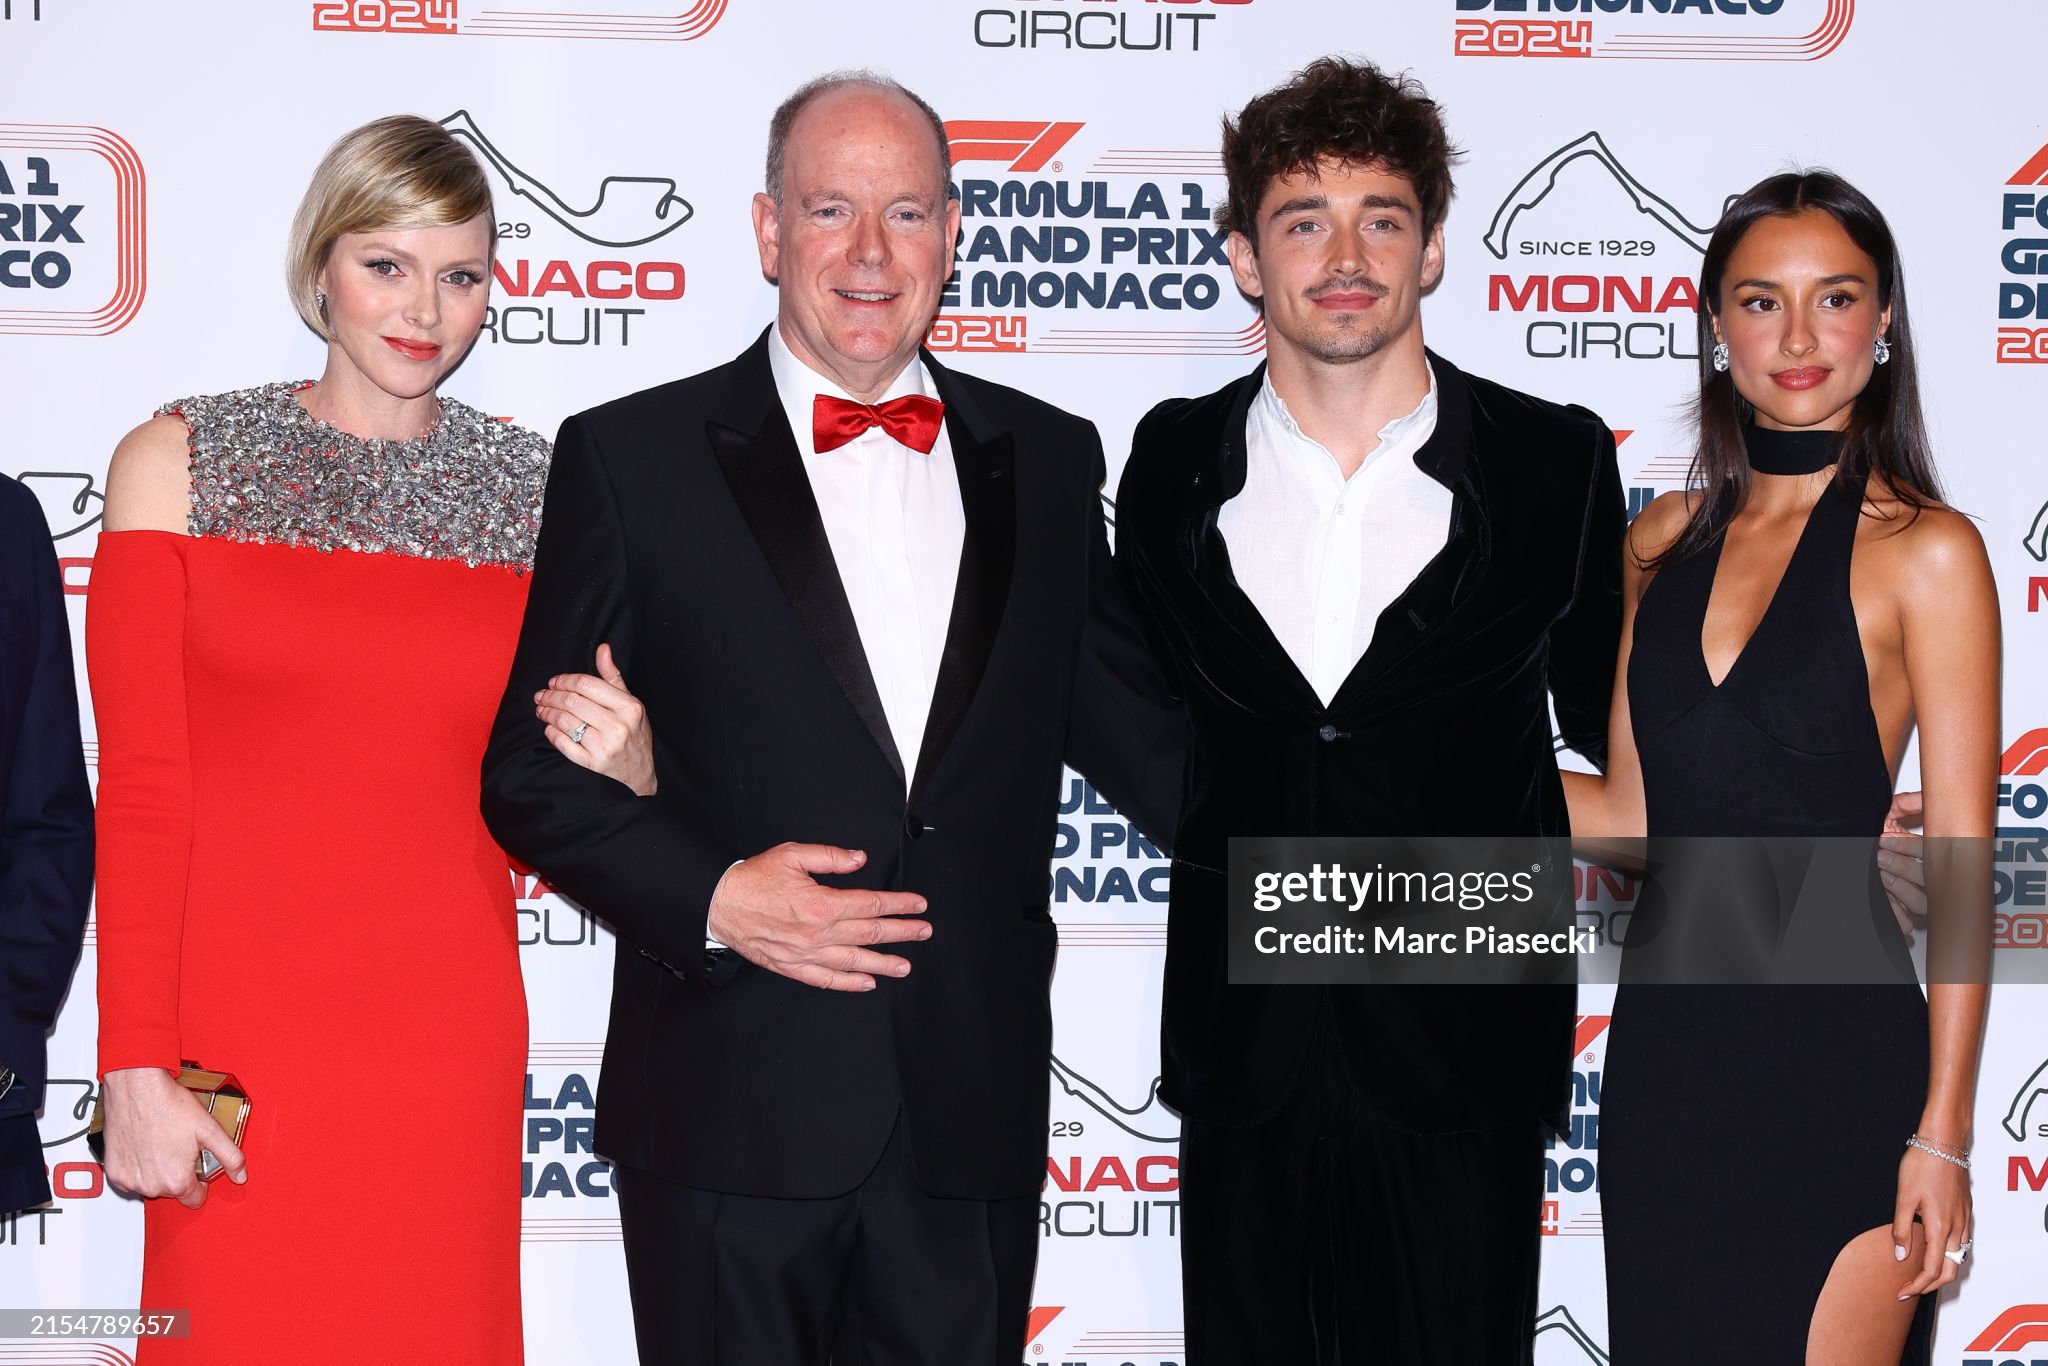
column 1443, row 728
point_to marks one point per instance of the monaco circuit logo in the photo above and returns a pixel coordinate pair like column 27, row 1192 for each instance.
column 69, row 501
column 71, row 230
column 1560, row 1341
column 1656, row 30
column 629, row 210
column 2021, row 1120
column 1602, row 262
column 577, row 267
column 569, row 20
column 1151, row 1121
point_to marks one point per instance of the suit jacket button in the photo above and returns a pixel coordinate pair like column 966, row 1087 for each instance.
column 1329, row 732
column 914, row 827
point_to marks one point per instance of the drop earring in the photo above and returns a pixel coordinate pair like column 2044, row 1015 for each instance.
column 320, row 302
column 1882, row 351
column 1720, row 355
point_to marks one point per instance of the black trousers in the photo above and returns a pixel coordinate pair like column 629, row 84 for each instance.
column 1323, row 1235
column 884, row 1275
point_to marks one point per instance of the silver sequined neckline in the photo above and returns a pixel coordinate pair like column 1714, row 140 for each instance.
column 265, row 470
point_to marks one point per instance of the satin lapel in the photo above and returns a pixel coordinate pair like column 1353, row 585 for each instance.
column 765, row 473
column 984, row 463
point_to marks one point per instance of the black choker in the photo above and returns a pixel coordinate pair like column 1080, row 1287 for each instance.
column 1776, row 452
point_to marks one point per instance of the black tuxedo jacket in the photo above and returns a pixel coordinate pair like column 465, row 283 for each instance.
column 1441, row 729
column 680, row 526
column 45, row 830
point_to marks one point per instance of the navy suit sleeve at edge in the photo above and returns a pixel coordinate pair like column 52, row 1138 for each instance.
column 1128, row 732
column 628, row 859
column 46, row 846
column 1586, row 641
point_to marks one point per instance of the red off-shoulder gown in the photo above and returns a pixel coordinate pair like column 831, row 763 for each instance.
column 295, row 886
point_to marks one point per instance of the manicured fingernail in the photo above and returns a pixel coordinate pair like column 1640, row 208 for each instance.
column 1898, row 1255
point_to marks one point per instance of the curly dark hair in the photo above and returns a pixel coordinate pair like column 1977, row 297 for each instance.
column 1344, row 110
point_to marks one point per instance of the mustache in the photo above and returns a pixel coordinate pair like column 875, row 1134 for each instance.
column 1350, row 284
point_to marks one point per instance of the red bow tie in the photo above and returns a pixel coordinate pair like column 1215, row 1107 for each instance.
column 913, row 420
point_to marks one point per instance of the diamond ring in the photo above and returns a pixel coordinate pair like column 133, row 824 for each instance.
column 576, row 735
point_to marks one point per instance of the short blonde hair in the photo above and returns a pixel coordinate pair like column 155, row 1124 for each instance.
column 398, row 172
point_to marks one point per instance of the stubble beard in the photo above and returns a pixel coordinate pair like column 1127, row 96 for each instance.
column 1346, row 341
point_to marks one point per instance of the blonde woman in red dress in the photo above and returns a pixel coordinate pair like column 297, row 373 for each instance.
column 302, row 614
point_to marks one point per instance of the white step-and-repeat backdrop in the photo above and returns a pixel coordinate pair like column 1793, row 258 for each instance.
column 151, row 156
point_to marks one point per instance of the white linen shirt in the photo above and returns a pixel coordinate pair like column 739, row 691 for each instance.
column 894, row 521
column 1321, row 556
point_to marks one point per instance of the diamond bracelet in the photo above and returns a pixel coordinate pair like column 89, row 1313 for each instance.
column 1932, row 1150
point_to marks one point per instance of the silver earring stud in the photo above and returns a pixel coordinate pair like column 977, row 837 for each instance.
column 1883, row 351
column 1720, row 355
column 320, row 302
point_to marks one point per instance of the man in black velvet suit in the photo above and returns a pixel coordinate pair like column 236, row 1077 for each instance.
column 869, row 606
column 1369, row 571
column 45, row 832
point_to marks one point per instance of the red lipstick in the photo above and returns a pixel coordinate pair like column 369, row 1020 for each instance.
column 1804, row 377
column 413, row 350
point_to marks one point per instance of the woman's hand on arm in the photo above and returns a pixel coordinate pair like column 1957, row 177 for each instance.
column 598, row 724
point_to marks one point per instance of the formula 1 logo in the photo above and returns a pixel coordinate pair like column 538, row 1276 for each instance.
column 1670, row 30
column 2023, row 296
column 1026, row 146
column 1117, row 254
column 1151, row 1121
column 69, row 501
column 71, row 230
column 1131, row 1347
column 591, row 20
column 2019, row 869
column 2023, row 1325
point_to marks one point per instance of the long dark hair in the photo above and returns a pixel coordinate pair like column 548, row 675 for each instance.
column 1886, row 439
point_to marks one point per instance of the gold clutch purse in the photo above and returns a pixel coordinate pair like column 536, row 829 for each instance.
column 219, row 1092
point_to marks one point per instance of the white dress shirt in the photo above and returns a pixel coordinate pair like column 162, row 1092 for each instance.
column 894, row 521
column 1320, row 555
